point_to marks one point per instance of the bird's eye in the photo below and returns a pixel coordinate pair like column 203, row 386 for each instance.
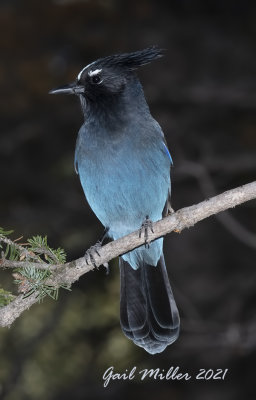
column 96, row 79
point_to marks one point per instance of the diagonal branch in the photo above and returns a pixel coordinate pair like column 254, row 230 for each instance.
column 184, row 218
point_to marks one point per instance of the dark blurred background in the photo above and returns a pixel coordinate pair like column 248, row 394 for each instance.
column 203, row 95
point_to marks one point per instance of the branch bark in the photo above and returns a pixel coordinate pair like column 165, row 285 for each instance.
column 184, row 218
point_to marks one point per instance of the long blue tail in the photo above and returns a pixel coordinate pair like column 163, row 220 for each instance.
column 148, row 312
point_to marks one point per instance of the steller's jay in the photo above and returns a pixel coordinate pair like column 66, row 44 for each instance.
column 124, row 167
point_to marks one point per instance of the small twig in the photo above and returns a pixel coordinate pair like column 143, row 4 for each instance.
column 45, row 251
column 18, row 239
column 23, row 250
column 4, row 263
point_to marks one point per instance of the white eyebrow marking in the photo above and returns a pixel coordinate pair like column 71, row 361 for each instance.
column 80, row 73
column 96, row 72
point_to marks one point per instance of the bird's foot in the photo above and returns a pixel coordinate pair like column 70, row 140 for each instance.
column 90, row 253
column 145, row 226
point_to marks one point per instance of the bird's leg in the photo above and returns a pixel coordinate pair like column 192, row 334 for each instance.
column 90, row 253
column 105, row 235
column 170, row 210
column 145, row 226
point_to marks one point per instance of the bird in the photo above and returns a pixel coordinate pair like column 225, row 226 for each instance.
column 123, row 163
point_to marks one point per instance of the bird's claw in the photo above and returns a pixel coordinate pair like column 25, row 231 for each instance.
column 145, row 226
column 107, row 268
column 90, row 253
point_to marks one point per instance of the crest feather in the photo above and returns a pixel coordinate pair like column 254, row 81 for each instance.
column 132, row 60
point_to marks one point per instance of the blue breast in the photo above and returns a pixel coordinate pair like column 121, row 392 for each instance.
column 124, row 179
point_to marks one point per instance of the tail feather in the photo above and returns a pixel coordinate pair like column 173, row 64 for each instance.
column 148, row 312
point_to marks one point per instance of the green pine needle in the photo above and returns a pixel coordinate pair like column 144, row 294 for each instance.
column 5, row 297
column 5, row 233
column 39, row 245
column 33, row 280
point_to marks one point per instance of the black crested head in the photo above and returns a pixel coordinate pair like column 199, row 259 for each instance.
column 109, row 75
column 103, row 71
column 109, row 80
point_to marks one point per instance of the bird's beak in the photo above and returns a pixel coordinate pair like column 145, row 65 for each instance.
column 72, row 88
